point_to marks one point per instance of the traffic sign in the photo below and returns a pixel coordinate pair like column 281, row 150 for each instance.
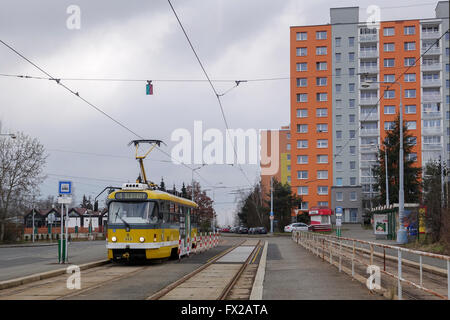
column 271, row 213
column 64, row 200
column 338, row 211
column 338, row 222
column 65, row 187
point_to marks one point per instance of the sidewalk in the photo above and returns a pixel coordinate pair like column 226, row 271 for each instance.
column 292, row 273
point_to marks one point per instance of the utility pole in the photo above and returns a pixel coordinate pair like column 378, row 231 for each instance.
column 386, row 170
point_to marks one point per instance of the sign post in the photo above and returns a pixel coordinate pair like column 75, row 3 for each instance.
column 338, row 212
column 64, row 190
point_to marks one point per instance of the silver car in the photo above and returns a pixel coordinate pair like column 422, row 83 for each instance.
column 297, row 226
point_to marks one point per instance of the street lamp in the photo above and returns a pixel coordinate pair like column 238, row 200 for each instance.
column 401, row 234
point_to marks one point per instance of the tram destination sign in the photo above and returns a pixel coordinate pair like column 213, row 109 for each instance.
column 131, row 196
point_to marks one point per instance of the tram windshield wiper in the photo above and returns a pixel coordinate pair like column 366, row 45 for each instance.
column 123, row 220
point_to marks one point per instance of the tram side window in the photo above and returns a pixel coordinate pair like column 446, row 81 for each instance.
column 153, row 217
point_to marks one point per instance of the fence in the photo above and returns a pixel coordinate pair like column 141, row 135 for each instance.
column 352, row 254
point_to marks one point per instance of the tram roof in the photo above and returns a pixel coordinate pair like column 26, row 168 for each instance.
column 160, row 195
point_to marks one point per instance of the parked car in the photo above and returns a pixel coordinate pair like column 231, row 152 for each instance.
column 225, row 230
column 298, row 226
column 234, row 229
column 261, row 230
column 252, row 231
column 242, row 230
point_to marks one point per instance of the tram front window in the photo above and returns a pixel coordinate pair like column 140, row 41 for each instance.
column 132, row 212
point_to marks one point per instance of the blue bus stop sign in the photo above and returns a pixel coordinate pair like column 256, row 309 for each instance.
column 65, row 187
column 338, row 211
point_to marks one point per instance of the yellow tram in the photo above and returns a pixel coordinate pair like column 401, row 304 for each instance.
column 147, row 223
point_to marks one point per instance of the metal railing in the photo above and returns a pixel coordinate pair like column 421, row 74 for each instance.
column 365, row 253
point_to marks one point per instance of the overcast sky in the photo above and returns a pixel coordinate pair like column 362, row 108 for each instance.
column 137, row 39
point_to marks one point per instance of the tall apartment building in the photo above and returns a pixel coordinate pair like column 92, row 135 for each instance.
column 339, row 119
column 276, row 143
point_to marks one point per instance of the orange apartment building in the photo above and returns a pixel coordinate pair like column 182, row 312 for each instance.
column 340, row 114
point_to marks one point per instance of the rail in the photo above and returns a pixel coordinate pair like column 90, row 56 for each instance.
column 341, row 248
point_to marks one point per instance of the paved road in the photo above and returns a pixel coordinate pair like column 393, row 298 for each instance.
column 21, row 261
column 293, row 273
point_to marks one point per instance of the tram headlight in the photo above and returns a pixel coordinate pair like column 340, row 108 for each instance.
column 113, row 239
column 141, row 239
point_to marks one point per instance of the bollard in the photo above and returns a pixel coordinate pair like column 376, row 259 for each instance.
column 399, row 263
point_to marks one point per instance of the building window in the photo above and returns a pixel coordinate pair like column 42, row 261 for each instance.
column 321, row 35
column 302, row 66
column 410, row 77
column 389, row 109
column 388, row 32
column 302, row 36
column 408, row 30
column 337, row 41
column 352, row 181
column 322, row 174
column 351, row 56
column 321, row 51
column 351, row 41
column 410, row 93
column 339, row 182
column 288, row 146
column 301, row 175
column 338, row 88
column 322, row 190
column 337, row 56
column 321, row 81
column 353, row 196
column 412, row 157
column 412, row 140
column 351, row 103
column 302, row 113
column 351, row 87
column 302, row 128
column 322, row 96
column 302, row 97
column 302, row 82
column 322, row 158
column 304, row 205
column 302, row 159
column 410, row 109
column 389, row 78
column 352, row 165
column 352, row 134
column 410, row 46
column 302, row 144
column 339, row 119
column 338, row 72
column 339, row 166
column 338, row 135
column 322, row 203
column 352, row 150
column 389, row 94
column 321, row 112
column 322, row 127
column 389, row 125
column 303, row 191
column 351, row 72
column 411, row 125
column 410, row 62
column 322, row 143
column 339, row 195
column 321, row 65
column 388, row 63
column 388, row 47
column 301, row 52
column 351, row 118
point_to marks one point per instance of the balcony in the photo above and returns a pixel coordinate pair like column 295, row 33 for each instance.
column 368, row 54
column 372, row 116
column 431, row 83
column 431, row 146
column 431, row 66
column 431, row 97
column 432, row 50
column 368, row 69
column 369, row 85
column 431, row 130
column 368, row 148
column 430, row 35
column 368, row 101
column 368, row 132
column 432, row 115
column 368, row 38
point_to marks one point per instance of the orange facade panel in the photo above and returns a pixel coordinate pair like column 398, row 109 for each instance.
column 311, row 89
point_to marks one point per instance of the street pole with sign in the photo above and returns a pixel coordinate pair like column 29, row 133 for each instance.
column 271, row 204
column 64, row 190
column 338, row 212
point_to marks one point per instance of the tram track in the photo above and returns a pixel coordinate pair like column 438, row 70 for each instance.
column 206, row 278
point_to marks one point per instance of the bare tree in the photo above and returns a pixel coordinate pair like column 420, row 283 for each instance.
column 21, row 165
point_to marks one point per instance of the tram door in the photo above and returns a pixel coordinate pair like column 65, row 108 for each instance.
column 182, row 226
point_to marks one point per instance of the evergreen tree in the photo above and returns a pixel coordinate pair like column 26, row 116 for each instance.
column 184, row 193
column 411, row 171
column 162, row 185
